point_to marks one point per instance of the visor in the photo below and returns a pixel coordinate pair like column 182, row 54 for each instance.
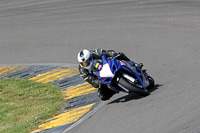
column 86, row 63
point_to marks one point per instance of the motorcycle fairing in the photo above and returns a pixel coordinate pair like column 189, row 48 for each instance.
column 106, row 71
column 110, row 67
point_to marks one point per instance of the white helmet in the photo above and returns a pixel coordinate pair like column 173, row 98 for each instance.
column 85, row 58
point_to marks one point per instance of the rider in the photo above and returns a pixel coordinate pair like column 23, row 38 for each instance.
column 90, row 61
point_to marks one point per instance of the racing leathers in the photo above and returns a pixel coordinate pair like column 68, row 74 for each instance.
column 104, row 92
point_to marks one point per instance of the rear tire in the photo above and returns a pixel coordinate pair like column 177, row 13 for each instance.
column 151, row 81
column 132, row 88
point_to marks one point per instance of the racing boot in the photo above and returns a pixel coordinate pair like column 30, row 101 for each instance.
column 145, row 72
column 140, row 65
column 105, row 93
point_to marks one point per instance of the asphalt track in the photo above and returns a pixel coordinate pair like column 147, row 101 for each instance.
column 163, row 34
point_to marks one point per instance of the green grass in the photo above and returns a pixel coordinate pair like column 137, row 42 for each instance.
column 24, row 104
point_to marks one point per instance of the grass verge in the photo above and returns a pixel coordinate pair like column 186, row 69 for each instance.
column 24, row 104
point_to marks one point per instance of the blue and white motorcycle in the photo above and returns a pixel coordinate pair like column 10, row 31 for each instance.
column 120, row 75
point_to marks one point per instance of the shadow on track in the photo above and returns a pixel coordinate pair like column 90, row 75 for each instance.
column 132, row 96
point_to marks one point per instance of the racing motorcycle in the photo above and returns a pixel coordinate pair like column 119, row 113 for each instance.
column 121, row 75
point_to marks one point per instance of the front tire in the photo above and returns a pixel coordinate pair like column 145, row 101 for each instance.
column 124, row 83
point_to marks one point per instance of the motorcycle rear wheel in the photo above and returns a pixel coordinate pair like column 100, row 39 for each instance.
column 151, row 81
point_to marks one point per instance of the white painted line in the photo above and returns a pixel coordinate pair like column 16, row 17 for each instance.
column 86, row 116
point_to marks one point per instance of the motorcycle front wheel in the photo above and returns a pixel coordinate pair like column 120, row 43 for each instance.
column 125, row 84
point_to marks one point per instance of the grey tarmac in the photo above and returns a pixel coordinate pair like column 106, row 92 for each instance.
column 162, row 34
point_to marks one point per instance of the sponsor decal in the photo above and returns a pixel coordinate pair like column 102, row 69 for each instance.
column 98, row 66
column 123, row 63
